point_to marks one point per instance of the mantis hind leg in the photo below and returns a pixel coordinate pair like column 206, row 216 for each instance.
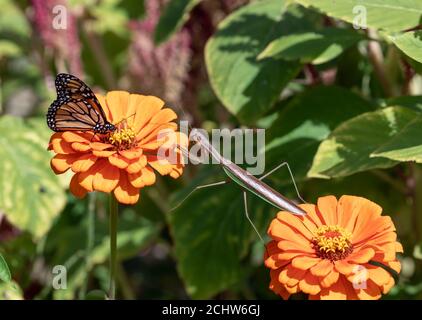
column 245, row 200
column 291, row 177
column 197, row 188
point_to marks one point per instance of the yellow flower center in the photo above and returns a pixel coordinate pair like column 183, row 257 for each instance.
column 332, row 242
column 122, row 138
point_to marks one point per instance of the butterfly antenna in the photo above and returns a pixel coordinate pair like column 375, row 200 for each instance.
column 125, row 119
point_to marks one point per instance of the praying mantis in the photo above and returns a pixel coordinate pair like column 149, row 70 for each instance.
column 245, row 180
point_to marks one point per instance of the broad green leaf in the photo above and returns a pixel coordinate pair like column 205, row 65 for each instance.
column 348, row 149
column 247, row 87
column 306, row 121
column 390, row 15
column 10, row 291
column 172, row 19
column 312, row 46
column 212, row 234
column 410, row 43
column 406, row 145
column 4, row 270
column 31, row 195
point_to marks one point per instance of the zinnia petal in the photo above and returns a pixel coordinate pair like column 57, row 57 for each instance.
column 117, row 103
column 296, row 223
column 322, row 268
column 131, row 154
column 305, row 263
column 61, row 146
column 370, row 292
column 146, row 107
column 330, row 279
column 280, row 231
column 378, row 275
column 119, row 161
column 106, row 178
column 62, row 162
column 80, row 147
column 136, row 165
column 72, row 136
column 103, row 102
column 310, row 284
column 276, row 286
column 145, row 177
column 291, row 276
column 125, row 192
column 103, row 154
column 160, row 165
column 84, row 162
column 361, row 256
column 328, row 208
column 75, row 187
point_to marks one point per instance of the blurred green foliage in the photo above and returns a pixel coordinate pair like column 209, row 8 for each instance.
column 341, row 104
column 4, row 270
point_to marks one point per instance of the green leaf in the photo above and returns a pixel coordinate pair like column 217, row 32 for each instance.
column 312, row 46
column 31, row 195
column 405, row 146
column 10, row 291
column 348, row 149
column 172, row 19
column 410, row 43
column 390, row 15
column 247, row 87
column 306, row 121
column 4, row 270
column 212, row 234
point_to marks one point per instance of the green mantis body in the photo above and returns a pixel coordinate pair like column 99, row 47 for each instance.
column 246, row 180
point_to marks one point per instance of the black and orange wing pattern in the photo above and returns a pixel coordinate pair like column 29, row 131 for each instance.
column 76, row 108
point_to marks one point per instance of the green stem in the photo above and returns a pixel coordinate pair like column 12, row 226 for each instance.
column 113, row 246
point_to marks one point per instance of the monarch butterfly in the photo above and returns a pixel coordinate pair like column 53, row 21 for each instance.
column 76, row 108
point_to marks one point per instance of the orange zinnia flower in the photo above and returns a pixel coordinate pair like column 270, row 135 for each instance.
column 124, row 160
column 334, row 252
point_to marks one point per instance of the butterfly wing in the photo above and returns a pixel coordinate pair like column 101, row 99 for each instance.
column 76, row 107
column 73, row 115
